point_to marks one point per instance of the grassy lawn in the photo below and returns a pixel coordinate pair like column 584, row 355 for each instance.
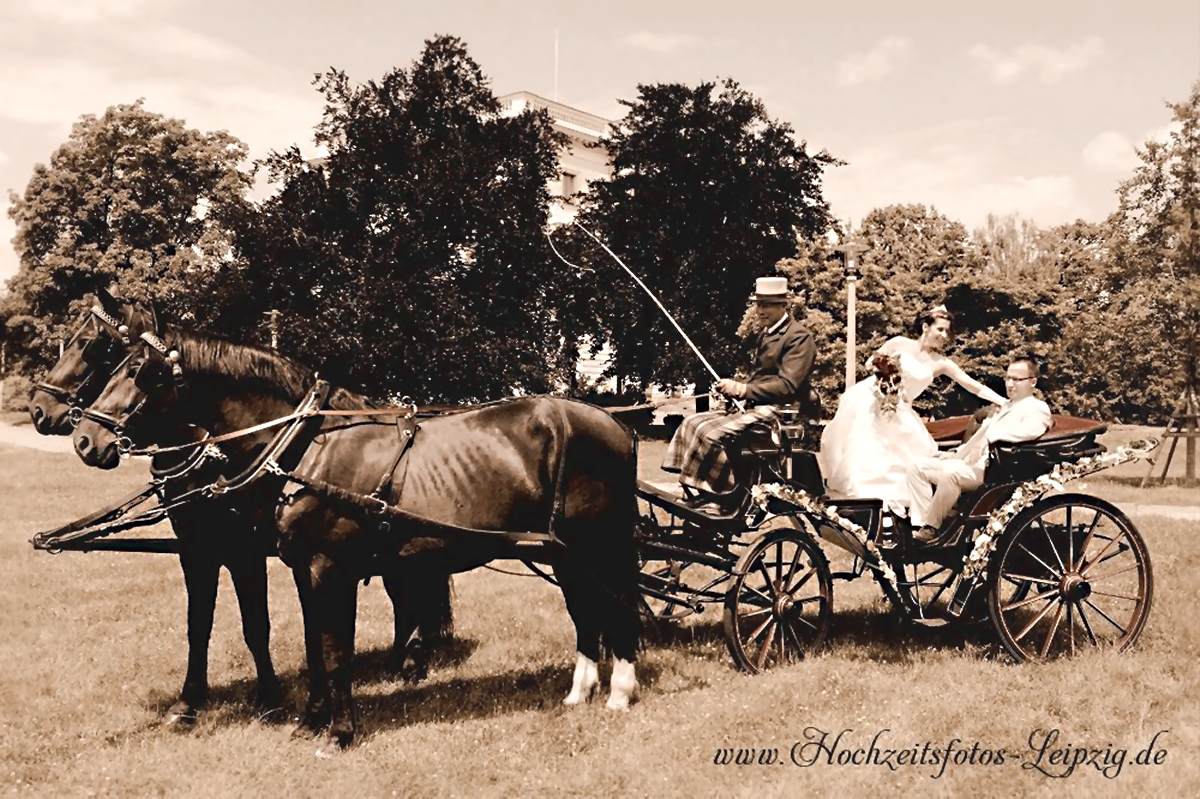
column 94, row 651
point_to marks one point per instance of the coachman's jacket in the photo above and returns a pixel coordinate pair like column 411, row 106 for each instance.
column 784, row 358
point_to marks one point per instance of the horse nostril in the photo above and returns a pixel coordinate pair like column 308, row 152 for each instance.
column 83, row 444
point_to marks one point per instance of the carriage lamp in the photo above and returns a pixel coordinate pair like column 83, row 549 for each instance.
column 850, row 250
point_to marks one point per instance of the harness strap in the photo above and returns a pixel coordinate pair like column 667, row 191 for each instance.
column 48, row 539
column 406, row 428
column 430, row 527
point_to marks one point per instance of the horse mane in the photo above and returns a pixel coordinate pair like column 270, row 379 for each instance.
column 274, row 373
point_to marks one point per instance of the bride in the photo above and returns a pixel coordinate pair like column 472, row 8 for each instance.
column 865, row 451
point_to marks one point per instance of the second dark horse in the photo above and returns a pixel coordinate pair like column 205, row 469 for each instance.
column 534, row 464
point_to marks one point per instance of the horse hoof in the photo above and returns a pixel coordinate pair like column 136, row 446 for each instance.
column 413, row 673
column 579, row 697
column 306, row 731
column 618, row 703
column 334, row 744
column 181, row 715
column 268, row 700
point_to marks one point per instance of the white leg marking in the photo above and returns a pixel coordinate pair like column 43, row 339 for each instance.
column 583, row 685
column 623, row 685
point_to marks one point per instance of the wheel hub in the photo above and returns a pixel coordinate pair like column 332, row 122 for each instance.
column 782, row 605
column 1074, row 587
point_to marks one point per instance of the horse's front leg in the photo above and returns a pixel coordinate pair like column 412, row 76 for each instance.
column 404, row 644
column 200, row 574
column 336, row 595
column 249, row 572
column 316, row 709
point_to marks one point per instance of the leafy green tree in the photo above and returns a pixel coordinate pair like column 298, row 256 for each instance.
column 707, row 193
column 132, row 199
column 1156, row 268
column 412, row 260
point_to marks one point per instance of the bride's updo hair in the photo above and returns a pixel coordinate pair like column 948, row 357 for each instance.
column 931, row 315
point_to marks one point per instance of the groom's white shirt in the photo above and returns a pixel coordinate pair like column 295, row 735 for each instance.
column 1023, row 420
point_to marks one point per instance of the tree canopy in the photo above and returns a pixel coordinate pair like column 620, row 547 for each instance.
column 132, row 199
column 412, row 259
column 707, row 193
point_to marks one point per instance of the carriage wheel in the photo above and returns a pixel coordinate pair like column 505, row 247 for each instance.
column 1086, row 574
column 930, row 587
column 781, row 601
column 662, row 574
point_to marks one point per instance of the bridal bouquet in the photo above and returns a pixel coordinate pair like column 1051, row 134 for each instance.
column 886, row 369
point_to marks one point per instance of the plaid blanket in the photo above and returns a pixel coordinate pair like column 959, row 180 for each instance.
column 698, row 450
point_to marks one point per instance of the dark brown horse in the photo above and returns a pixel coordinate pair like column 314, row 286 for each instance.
column 530, row 464
column 210, row 535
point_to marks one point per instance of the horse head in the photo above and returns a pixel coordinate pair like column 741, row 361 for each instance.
column 133, row 408
column 102, row 339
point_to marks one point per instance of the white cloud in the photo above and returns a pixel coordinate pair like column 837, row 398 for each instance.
column 1050, row 64
column 1162, row 134
column 661, row 42
column 79, row 12
column 955, row 168
column 4, row 158
column 1110, row 151
column 173, row 42
column 875, row 63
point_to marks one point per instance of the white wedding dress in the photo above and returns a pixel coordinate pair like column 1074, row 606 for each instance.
column 865, row 452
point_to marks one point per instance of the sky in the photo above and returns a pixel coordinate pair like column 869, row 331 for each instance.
column 1022, row 107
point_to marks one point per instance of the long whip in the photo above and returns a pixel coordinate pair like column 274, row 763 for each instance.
column 740, row 406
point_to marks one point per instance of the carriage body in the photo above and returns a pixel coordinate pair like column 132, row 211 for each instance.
column 1055, row 573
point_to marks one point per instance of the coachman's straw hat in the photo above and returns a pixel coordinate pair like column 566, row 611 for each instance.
column 771, row 289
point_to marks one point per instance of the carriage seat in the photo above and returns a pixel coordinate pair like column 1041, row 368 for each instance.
column 1069, row 439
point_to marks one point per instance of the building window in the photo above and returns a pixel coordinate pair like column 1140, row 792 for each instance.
column 568, row 184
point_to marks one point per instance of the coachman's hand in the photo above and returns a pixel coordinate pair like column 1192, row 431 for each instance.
column 731, row 388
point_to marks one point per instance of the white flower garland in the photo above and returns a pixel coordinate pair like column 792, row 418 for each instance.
column 984, row 541
column 764, row 492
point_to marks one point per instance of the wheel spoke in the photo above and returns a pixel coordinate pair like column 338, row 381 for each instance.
column 1098, row 559
column 1105, row 615
column 1087, row 539
column 770, row 585
column 1049, row 568
column 787, row 628
column 1030, row 600
column 1050, row 540
column 1087, row 626
column 1053, row 629
column 1016, row 579
column 1113, row 574
column 754, row 590
column 1033, row 623
column 939, row 592
column 779, row 563
column 750, row 613
column 807, row 576
column 758, row 630
column 932, row 574
column 1071, row 625
column 765, row 650
column 1117, row 596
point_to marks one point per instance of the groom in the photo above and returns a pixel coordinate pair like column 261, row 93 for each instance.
column 699, row 450
column 1024, row 418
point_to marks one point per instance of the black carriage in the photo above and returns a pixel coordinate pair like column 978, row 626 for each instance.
column 1051, row 571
